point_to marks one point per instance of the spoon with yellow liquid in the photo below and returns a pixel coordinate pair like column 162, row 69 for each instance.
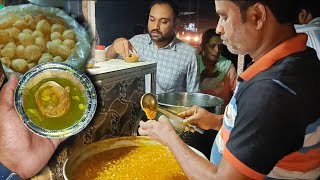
column 150, row 106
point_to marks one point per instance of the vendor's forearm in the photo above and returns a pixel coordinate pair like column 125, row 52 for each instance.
column 111, row 53
column 217, row 123
column 194, row 166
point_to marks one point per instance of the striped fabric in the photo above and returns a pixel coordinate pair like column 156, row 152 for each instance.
column 312, row 29
column 305, row 163
column 263, row 135
column 177, row 64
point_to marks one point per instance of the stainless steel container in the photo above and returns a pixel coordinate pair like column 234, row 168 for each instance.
column 177, row 102
column 180, row 101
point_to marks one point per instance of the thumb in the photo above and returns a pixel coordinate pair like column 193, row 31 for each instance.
column 189, row 120
column 189, row 112
column 186, row 113
column 163, row 118
column 7, row 91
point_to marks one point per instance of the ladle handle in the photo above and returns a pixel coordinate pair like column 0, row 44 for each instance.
column 196, row 128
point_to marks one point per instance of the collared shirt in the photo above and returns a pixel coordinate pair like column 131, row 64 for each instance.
column 177, row 65
column 271, row 126
column 312, row 29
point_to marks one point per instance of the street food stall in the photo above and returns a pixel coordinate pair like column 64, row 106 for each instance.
column 119, row 86
column 115, row 84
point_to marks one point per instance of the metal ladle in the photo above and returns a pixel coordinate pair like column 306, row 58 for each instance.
column 149, row 101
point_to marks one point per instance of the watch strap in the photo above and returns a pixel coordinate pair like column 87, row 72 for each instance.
column 7, row 174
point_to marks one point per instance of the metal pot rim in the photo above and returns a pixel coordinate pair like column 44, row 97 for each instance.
column 114, row 142
column 219, row 101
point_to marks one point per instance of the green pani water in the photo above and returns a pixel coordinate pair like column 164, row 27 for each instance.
column 76, row 110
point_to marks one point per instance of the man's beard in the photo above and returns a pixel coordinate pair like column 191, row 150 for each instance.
column 161, row 37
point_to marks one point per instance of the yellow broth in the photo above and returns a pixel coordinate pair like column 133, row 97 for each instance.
column 150, row 113
column 77, row 106
column 139, row 162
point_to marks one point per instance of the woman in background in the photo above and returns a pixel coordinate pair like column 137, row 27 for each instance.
column 218, row 74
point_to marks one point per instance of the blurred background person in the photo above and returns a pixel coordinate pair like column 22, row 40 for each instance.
column 1, row 4
column 218, row 74
column 309, row 23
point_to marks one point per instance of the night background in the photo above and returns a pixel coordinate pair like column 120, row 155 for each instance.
column 118, row 18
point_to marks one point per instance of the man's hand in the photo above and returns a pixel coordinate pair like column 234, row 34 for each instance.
column 123, row 47
column 21, row 150
column 202, row 118
column 161, row 130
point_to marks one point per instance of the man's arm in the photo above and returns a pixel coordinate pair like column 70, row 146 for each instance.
column 111, row 53
column 120, row 46
column 21, row 150
column 201, row 117
column 193, row 75
column 194, row 166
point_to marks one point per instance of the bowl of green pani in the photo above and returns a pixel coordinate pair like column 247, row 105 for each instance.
column 55, row 100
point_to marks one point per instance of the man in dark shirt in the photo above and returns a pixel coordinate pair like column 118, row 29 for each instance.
column 271, row 127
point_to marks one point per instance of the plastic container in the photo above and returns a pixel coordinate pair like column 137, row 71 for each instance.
column 82, row 49
column 99, row 53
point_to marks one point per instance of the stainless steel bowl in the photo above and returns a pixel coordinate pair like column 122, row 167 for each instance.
column 41, row 73
column 180, row 101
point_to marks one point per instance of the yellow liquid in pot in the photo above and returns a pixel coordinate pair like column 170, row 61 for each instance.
column 77, row 106
column 140, row 162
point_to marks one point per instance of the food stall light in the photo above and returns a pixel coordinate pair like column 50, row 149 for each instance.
column 188, row 38
column 196, row 39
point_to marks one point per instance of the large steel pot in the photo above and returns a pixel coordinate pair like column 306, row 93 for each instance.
column 79, row 157
column 180, row 101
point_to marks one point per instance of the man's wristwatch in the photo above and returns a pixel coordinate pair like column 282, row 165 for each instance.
column 7, row 174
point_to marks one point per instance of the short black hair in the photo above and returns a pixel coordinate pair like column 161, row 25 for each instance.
column 311, row 6
column 171, row 3
column 207, row 35
column 285, row 11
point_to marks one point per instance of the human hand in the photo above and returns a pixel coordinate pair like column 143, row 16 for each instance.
column 161, row 130
column 122, row 46
column 22, row 151
column 202, row 118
